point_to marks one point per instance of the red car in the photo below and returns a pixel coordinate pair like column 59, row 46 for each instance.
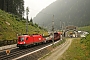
column 57, row 36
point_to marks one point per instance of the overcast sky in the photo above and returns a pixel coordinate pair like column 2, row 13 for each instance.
column 35, row 6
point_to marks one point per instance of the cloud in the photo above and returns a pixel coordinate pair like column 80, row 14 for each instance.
column 35, row 6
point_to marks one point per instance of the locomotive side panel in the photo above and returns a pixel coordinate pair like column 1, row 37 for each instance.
column 29, row 40
column 37, row 38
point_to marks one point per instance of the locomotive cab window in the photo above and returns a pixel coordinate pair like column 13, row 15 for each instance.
column 22, row 39
column 27, row 38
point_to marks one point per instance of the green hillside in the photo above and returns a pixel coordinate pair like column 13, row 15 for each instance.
column 86, row 28
column 78, row 50
column 11, row 25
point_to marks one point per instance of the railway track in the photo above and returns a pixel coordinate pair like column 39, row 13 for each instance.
column 19, row 52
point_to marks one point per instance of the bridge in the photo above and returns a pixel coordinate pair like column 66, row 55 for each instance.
column 70, row 31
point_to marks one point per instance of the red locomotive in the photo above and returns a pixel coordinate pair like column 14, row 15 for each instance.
column 26, row 40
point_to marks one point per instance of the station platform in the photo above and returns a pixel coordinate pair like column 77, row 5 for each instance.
column 7, row 47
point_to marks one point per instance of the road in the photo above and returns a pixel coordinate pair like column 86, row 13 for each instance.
column 59, row 50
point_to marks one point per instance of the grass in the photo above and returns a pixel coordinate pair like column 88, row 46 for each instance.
column 78, row 50
column 11, row 25
column 85, row 28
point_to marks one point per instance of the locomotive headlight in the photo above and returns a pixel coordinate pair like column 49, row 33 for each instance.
column 24, row 42
column 18, row 42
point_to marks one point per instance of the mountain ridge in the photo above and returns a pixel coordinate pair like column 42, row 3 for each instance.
column 71, row 12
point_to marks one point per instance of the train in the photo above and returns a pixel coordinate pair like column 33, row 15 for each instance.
column 27, row 40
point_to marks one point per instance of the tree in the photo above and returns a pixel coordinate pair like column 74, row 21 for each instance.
column 13, row 6
column 31, row 20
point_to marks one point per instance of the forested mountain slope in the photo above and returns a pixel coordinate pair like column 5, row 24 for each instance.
column 72, row 12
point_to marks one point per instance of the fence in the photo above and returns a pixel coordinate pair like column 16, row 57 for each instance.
column 7, row 42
